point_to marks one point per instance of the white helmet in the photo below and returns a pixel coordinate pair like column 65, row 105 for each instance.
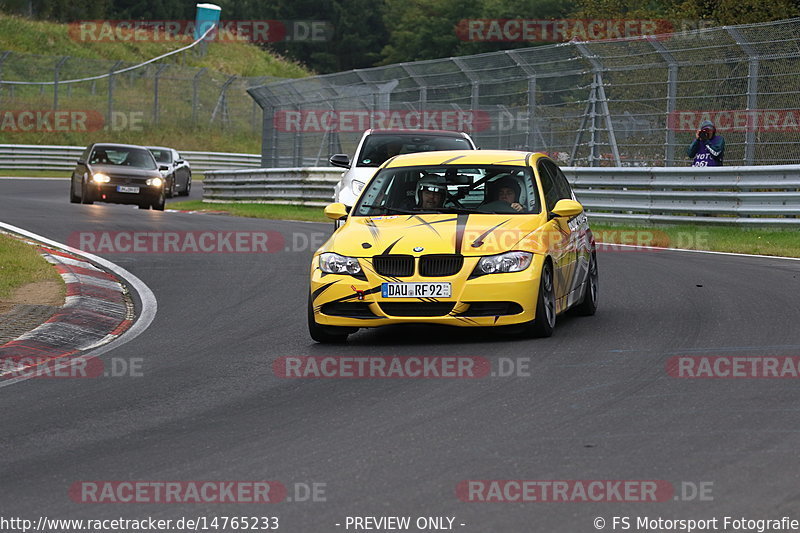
column 432, row 184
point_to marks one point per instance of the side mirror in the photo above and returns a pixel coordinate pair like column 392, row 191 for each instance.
column 336, row 211
column 179, row 162
column 340, row 160
column 81, row 162
column 566, row 208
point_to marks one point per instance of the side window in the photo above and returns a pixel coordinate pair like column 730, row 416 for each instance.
column 551, row 193
column 559, row 180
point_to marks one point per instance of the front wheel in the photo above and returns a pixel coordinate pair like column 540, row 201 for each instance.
column 86, row 194
column 73, row 198
column 326, row 334
column 158, row 205
column 188, row 187
column 545, row 321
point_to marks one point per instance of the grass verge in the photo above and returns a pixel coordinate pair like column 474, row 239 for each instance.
column 270, row 211
column 713, row 238
column 21, row 264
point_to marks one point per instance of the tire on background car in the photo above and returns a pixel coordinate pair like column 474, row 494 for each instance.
column 158, row 204
column 589, row 304
column 326, row 334
column 86, row 194
column 545, row 320
column 185, row 192
column 73, row 198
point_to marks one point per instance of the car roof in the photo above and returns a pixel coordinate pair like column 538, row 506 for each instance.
column 443, row 133
column 116, row 145
column 159, row 148
column 466, row 157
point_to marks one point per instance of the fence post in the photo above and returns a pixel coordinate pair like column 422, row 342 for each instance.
column 599, row 95
column 55, row 81
column 531, row 73
column 3, row 57
column 159, row 70
column 109, row 120
column 672, row 96
column 222, row 102
column 752, row 91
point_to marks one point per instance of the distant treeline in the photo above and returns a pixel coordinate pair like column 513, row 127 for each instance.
column 368, row 33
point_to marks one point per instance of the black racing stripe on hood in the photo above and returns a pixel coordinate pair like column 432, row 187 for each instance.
column 424, row 222
column 479, row 241
column 461, row 225
column 322, row 289
column 373, row 229
column 389, row 249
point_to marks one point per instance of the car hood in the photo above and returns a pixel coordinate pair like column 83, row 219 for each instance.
column 120, row 171
column 469, row 235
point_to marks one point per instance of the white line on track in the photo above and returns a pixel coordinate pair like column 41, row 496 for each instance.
column 148, row 299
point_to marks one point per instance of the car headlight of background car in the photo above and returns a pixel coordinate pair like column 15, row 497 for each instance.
column 155, row 182
column 333, row 263
column 503, row 263
column 100, row 178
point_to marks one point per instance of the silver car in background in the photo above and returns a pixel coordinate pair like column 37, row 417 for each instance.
column 376, row 146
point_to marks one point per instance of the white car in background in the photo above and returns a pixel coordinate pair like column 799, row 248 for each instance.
column 376, row 146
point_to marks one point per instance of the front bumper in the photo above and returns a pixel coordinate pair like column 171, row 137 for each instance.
column 489, row 300
column 107, row 192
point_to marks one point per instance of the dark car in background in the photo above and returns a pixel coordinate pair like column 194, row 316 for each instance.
column 117, row 173
column 175, row 169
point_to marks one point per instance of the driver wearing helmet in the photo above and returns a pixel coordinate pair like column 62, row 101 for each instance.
column 431, row 192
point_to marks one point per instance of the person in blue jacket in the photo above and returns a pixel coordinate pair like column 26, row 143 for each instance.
column 708, row 149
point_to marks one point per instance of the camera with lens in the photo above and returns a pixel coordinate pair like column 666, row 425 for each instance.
column 705, row 134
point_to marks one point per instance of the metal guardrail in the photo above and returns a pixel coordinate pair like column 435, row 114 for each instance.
column 35, row 157
column 312, row 186
column 756, row 196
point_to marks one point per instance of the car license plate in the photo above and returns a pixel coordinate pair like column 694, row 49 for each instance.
column 122, row 188
column 415, row 290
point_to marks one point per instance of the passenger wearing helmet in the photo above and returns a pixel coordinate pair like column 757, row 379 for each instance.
column 708, row 148
column 431, row 192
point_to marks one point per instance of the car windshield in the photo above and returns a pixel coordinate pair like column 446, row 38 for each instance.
column 123, row 156
column 162, row 156
column 489, row 189
column 378, row 148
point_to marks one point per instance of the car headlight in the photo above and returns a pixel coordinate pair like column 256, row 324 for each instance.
column 503, row 263
column 155, row 182
column 332, row 263
column 357, row 186
column 100, row 178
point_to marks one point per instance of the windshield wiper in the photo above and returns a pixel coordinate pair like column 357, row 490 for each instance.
column 390, row 209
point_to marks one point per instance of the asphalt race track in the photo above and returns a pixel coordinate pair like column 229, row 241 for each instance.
column 596, row 404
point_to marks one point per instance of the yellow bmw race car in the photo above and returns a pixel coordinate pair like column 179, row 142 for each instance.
column 463, row 238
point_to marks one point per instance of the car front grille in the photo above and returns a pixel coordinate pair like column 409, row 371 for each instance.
column 417, row 308
column 394, row 265
column 440, row 265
